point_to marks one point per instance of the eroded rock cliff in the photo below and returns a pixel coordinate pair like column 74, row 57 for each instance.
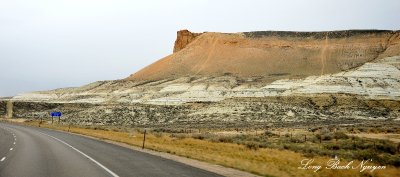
column 183, row 38
column 271, row 55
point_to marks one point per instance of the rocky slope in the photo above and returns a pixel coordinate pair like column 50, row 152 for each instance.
column 227, row 79
column 271, row 55
column 373, row 80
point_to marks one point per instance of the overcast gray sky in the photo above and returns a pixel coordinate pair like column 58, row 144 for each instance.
column 48, row 44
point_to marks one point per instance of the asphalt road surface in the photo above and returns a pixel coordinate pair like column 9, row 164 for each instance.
column 35, row 152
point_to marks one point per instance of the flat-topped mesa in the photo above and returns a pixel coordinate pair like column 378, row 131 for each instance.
column 317, row 34
column 183, row 38
column 271, row 55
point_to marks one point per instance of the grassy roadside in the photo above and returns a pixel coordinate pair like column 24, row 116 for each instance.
column 261, row 161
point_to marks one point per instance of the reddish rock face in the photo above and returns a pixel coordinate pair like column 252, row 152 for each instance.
column 184, row 37
column 271, row 55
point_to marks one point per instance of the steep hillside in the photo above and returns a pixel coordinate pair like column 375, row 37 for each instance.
column 271, row 55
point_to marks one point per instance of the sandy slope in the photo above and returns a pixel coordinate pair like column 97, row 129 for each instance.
column 272, row 55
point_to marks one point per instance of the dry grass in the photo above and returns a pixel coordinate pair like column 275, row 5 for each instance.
column 383, row 136
column 264, row 161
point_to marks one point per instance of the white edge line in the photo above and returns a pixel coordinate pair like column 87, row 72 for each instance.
column 90, row 158
column 2, row 159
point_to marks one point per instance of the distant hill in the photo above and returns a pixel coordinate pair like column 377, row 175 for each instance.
column 219, row 79
column 271, row 55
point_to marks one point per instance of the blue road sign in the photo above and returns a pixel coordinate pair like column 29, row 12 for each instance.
column 56, row 114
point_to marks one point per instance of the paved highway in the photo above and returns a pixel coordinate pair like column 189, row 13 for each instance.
column 35, row 152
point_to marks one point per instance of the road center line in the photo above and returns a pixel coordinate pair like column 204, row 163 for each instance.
column 11, row 149
column 2, row 159
column 90, row 158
